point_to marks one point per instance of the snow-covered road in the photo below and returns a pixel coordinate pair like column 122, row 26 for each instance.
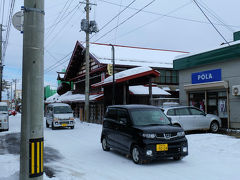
column 211, row 157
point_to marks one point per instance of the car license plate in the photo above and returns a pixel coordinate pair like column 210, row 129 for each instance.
column 64, row 125
column 161, row 147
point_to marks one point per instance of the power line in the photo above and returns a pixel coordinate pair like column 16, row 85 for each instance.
column 159, row 14
column 57, row 64
column 211, row 22
column 3, row 5
column 137, row 47
column 126, row 20
column 117, row 24
column 64, row 26
column 9, row 23
column 56, row 23
column 152, row 21
column 117, row 15
column 204, row 5
column 60, row 16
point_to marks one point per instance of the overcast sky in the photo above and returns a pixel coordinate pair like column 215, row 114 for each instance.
column 183, row 27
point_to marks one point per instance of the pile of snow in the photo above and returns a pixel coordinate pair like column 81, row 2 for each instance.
column 211, row 157
column 134, row 56
column 70, row 97
column 129, row 73
column 144, row 90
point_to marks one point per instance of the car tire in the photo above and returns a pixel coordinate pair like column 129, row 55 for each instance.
column 104, row 144
column 136, row 156
column 214, row 127
column 47, row 125
column 53, row 128
column 177, row 158
column 72, row 127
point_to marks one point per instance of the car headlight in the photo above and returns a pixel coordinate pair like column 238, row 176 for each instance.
column 181, row 133
column 149, row 136
column 55, row 119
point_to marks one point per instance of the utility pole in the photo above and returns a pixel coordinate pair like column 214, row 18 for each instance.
column 31, row 148
column 1, row 64
column 87, row 66
column 89, row 27
column 113, row 67
column 15, row 92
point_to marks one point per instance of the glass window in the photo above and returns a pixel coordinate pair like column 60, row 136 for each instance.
column 111, row 113
column 182, row 111
column 196, row 111
column 148, row 117
column 171, row 112
column 122, row 115
column 3, row 108
column 62, row 110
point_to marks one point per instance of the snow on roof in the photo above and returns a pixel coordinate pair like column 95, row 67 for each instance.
column 130, row 74
column 143, row 90
column 69, row 97
column 53, row 98
column 134, row 57
column 166, row 88
column 61, row 75
column 205, row 50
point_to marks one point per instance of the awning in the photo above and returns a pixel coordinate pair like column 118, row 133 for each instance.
column 128, row 75
column 206, row 86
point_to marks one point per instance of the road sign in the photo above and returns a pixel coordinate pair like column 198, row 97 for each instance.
column 17, row 20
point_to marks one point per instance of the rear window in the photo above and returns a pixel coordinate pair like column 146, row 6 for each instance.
column 148, row 117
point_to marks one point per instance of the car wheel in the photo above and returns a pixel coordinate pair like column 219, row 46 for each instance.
column 53, row 128
column 104, row 144
column 47, row 125
column 214, row 127
column 136, row 156
column 72, row 127
column 177, row 158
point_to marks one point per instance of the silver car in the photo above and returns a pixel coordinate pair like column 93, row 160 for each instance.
column 191, row 118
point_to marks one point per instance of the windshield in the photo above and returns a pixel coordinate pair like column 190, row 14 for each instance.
column 145, row 117
column 62, row 110
column 3, row 108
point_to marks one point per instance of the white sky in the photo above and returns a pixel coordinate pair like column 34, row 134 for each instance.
column 165, row 33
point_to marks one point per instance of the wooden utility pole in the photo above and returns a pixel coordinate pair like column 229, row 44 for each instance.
column 87, row 66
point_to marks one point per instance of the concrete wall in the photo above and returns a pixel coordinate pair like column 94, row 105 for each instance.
column 230, row 73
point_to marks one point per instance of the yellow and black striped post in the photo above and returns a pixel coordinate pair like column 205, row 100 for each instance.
column 36, row 157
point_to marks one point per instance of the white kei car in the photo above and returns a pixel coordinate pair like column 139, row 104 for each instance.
column 191, row 118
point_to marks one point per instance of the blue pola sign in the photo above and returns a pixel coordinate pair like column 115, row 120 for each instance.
column 207, row 76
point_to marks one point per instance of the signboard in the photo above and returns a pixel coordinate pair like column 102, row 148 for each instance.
column 207, row 76
column 110, row 69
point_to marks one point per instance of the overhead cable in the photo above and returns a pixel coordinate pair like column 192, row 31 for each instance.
column 160, row 14
column 130, row 17
column 211, row 22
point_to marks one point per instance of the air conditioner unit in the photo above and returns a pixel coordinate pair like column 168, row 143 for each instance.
column 236, row 90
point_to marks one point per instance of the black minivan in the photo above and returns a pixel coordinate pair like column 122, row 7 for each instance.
column 142, row 131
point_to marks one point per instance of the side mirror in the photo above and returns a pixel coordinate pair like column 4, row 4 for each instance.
column 204, row 114
column 123, row 121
